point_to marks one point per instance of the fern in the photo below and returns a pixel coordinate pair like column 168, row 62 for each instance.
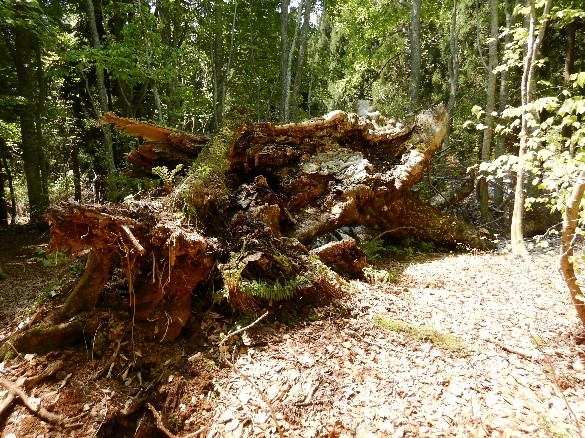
column 273, row 291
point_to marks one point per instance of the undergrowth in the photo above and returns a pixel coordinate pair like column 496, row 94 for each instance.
column 407, row 248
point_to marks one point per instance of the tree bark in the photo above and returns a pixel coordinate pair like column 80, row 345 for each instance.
column 22, row 49
column 488, row 133
column 415, row 56
column 453, row 68
column 109, row 163
column 568, row 236
column 527, row 90
column 308, row 4
column 284, row 52
column 500, row 146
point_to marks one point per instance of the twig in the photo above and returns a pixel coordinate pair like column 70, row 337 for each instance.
column 7, row 403
column 48, row 372
column 242, row 329
column 247, row 379
column 15, row 350
column 309, row 398
column 555, row 381
column 260, row 393
column 159, row 422
column 520, row 352
column 41, row 412
column 29, row 383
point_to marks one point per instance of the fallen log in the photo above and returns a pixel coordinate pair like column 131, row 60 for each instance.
column 260, row 200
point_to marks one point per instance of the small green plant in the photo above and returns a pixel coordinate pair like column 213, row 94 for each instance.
column 174, row 422
column 374, row 249
column 377, row 276
column 167, row 176
column 423, row 334
column 58, row 258
column 276, row 291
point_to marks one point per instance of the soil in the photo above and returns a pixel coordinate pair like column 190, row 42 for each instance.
column 460, row 344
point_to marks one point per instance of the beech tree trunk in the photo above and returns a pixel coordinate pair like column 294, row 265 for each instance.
column 533, row 42
column 109, row 163
column 21, row 43
column 488, row 133
column 415, row 56
column 567, row 268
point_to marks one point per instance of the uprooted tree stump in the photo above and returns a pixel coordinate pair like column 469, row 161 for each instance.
column 260, row 201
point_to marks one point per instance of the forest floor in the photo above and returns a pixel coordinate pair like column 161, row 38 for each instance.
column 460, row 344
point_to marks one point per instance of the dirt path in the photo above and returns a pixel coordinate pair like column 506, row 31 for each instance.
column 519, row 373
column 462, row 345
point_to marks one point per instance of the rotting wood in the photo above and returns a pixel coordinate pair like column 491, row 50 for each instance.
column 161, row 147
column 285, row 187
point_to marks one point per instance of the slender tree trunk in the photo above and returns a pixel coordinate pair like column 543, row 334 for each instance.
column 229, row 61
column 283, row 59
column 110, row 165
column 488, row 133
column 500, row 145
column 415, row 56
column 568, row 237
column 217, row 64
column 288, row 72
column 570, row 31
column 453, row 69
column 533, row 42
column 314, row 58
column 21, row 45
column 301, row 59
column 4, row 154
column 76, row 172
column 40, row 109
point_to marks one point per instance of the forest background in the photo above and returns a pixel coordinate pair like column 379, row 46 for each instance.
column 509, row 73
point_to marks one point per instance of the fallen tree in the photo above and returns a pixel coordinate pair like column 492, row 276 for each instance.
column 258, row 199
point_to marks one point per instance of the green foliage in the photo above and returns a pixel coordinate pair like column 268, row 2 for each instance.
column 423, row 334
column 377, row 276
column 167, row 176
column 406, row 248
column 552, row 160
column 121, row 186
column 374, row 249
column 275, row 291
column 57, row 258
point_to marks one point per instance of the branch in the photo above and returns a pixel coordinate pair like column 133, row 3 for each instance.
column 247, row 379
column 159, row 422
column 41, row 412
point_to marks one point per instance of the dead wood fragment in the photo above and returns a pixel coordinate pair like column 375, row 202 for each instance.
column 42, row 339
column 343, row 256
column 160, row 423
column 29, row 383
column 38, row 410
column 162, row 147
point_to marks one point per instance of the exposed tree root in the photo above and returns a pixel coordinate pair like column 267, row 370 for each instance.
column 33, row 407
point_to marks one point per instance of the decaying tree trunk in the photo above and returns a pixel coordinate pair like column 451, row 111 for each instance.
column 344, row 170
column 287, row 186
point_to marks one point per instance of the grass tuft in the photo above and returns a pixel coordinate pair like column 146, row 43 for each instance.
column 423, row 334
